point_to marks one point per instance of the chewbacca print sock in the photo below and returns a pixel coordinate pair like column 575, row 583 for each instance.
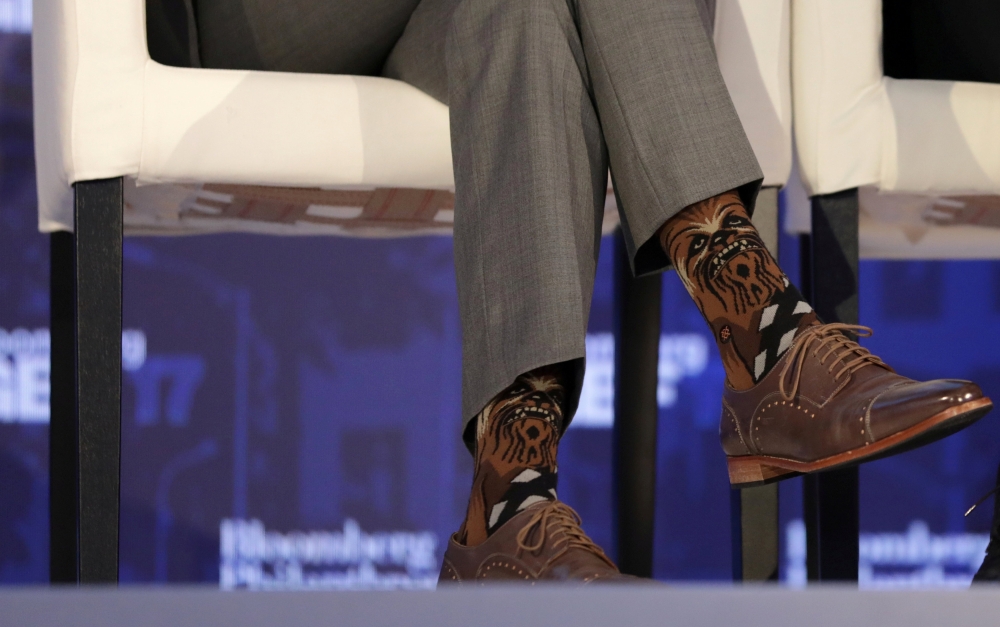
column 748, row 301
column 517, row 435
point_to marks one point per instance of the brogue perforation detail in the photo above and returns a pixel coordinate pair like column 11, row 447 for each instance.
column 449, row 574
column 777, row 405
column 498, row 566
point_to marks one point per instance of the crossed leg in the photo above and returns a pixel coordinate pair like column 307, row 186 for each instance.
column 545, row 96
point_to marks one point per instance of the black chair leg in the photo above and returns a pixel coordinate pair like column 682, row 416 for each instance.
column 637, row 346
column 86, row 387
column 830, row 499
column 754, row 511
column 63, row 461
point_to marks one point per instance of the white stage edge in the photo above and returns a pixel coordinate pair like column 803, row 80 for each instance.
column 625, row 606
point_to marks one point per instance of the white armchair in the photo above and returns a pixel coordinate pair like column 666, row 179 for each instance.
column 156, row 149
column 103, row 109
column 924, row 153
column 125, row 145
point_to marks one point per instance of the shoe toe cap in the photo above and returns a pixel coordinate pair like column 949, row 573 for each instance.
column 904, row 406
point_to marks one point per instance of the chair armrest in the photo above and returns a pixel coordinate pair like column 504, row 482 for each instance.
column 88, row 60
column 752, row 40
column 837, row 92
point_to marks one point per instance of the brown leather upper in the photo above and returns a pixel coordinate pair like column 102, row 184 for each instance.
column 802, row 410
column 544, row 542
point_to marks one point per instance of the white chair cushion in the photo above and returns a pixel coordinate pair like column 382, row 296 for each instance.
column 941, row 137
column 291, row 129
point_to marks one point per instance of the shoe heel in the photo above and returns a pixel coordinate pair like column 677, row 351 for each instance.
column 750, row 470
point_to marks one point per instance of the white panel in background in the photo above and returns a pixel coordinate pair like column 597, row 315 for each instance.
column 25, row 368
column 915, row 558
column 15, row 16
column 681, row 355
column 252, row 557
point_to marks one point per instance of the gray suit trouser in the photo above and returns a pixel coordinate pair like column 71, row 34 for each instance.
column 544, row 96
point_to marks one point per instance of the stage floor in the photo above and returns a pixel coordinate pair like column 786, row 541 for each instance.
column 633, row 606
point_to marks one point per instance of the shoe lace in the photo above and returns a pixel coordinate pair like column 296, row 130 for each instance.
column 832, row 338
column 551, row 519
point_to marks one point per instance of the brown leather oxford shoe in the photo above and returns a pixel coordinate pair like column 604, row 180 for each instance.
column 829, row 403
column 544, row 542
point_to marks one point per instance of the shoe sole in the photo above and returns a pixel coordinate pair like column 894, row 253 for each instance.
column 749, row 470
